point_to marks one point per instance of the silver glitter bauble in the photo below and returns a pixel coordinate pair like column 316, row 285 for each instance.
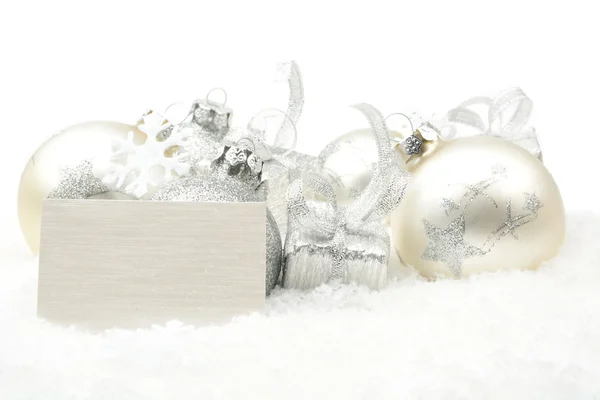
column 215, row 188
column 208, row 122
column 477, row 204
column 62, row 168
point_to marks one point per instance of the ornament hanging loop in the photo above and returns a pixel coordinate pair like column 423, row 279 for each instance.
column 260, row 132
column 411, row 144
column 412, row 127
column 165, row 113
column 212, row 116
column 212, row 102
column 207, row 100
column 246, row 143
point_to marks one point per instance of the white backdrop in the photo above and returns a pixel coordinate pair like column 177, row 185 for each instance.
column 65, row 62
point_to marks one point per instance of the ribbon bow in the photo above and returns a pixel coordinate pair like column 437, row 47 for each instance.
column 325, row 220
column 507, row 118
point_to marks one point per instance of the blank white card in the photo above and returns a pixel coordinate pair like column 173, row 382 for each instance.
column 130, row 264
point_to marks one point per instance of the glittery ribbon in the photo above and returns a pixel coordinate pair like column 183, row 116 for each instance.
column 284, row 141
column 323, row 219
column 295, row 104
column 507, row 118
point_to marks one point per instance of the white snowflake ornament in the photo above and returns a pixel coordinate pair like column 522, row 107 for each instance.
column 139, row 169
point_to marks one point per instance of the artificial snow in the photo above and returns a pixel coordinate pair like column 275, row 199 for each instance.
column 508, row 335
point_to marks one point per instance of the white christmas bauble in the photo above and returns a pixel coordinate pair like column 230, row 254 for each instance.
column 348, row 161
column 213, row 188
column 477, row 204
column 62, row 168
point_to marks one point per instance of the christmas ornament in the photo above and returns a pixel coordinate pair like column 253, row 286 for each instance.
column 348, row 161
column 479, row 203
column 234, row 177
column 205, row 126
column 327, row 241
column 62, row 168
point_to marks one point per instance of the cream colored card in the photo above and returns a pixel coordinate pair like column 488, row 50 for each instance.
column 130, row 264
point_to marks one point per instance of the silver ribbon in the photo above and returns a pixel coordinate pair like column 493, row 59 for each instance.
column 286, row 137
column 325, row 220
column 507, row 118
column 295, row 105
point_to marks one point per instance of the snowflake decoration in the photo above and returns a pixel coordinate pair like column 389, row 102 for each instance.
column 136, row 169
column 532, row 203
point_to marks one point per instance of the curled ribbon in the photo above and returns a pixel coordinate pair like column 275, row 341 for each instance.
column 212, row 119
column 295, row 104
column 507, row 118
column 325, row 220
column 284, row 141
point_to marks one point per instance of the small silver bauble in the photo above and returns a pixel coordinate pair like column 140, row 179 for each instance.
column 234, row 178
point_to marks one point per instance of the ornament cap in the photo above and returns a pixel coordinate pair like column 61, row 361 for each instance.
column 240, row 162
column 421, row 143
column 212, row 116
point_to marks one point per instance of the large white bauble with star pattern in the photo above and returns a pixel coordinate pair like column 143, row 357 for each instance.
column 62, row 167
column 477, row 204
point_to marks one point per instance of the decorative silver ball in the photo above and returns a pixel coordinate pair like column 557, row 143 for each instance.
column 227, row 189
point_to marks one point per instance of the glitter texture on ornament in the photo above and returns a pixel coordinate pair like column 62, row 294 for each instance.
column 448, row 244
column 77, row 182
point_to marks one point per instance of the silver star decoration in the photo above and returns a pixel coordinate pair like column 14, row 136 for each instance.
column 532, row 203
column 77, row 182
column 448, row 245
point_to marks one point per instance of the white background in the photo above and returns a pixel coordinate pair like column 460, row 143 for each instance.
column 68, row 62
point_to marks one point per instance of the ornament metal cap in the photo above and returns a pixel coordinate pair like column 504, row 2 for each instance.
column 240, row 162
column 212, row 116
column 419, row 143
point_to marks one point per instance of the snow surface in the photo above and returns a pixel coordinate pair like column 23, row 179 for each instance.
column 510, row 335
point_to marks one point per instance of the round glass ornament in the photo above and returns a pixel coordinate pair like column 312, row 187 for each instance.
column 234, row 178
column 63, row 166
column 476, row 204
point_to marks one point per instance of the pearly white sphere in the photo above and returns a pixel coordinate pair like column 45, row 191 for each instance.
column 348, row 161
column 67, row 149
column 478, row 204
